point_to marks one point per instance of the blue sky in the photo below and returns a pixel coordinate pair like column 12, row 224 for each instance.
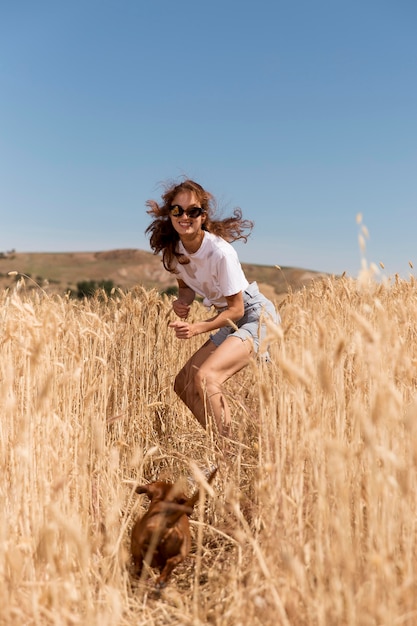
column 303, row 113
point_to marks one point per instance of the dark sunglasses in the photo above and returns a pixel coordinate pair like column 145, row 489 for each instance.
column 177, row 210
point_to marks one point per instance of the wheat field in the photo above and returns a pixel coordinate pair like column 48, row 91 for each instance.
column 313, row 519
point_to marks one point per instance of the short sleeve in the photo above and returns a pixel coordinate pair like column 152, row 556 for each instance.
column 230, row 275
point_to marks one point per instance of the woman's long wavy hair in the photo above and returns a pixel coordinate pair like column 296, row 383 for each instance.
column 164, row 238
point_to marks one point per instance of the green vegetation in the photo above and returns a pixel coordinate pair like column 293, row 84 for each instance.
column 89, row 288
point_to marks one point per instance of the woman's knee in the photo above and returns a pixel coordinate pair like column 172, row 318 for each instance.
column 184, row 380
column 180, row 383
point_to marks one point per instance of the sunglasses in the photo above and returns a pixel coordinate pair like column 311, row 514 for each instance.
column 177, row 210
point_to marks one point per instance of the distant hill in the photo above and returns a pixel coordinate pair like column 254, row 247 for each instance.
column 61, row 271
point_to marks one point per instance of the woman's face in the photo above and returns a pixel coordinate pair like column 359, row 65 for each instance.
column 185, row 225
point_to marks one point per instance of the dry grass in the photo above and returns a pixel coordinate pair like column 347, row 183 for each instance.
column 314, row 523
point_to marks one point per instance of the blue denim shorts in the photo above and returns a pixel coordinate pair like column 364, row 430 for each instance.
column 250, row 326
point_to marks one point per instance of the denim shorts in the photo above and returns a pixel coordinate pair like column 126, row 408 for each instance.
column 249, row 326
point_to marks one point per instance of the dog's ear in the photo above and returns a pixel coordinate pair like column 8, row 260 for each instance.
column 155, row 491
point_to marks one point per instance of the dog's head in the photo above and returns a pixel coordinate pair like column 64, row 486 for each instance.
column 163, row 491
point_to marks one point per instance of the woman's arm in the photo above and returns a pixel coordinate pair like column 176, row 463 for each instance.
column 185, row 298
column 235, row 310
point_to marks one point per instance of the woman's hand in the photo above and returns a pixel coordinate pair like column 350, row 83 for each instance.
column 181, row 308
column 184, row 330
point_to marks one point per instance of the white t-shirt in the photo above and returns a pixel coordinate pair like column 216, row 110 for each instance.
column 214, row 271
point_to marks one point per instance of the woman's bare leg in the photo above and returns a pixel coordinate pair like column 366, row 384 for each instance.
column 184, row 385
column 199, row 383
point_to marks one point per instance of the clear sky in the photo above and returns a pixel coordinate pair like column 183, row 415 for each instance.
column 301, row 112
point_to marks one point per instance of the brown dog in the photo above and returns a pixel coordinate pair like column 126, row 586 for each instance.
column 162, row 536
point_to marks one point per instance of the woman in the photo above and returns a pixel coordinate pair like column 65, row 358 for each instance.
column 196, row 247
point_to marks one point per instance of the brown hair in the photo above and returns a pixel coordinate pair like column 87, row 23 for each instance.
column 163, row 236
